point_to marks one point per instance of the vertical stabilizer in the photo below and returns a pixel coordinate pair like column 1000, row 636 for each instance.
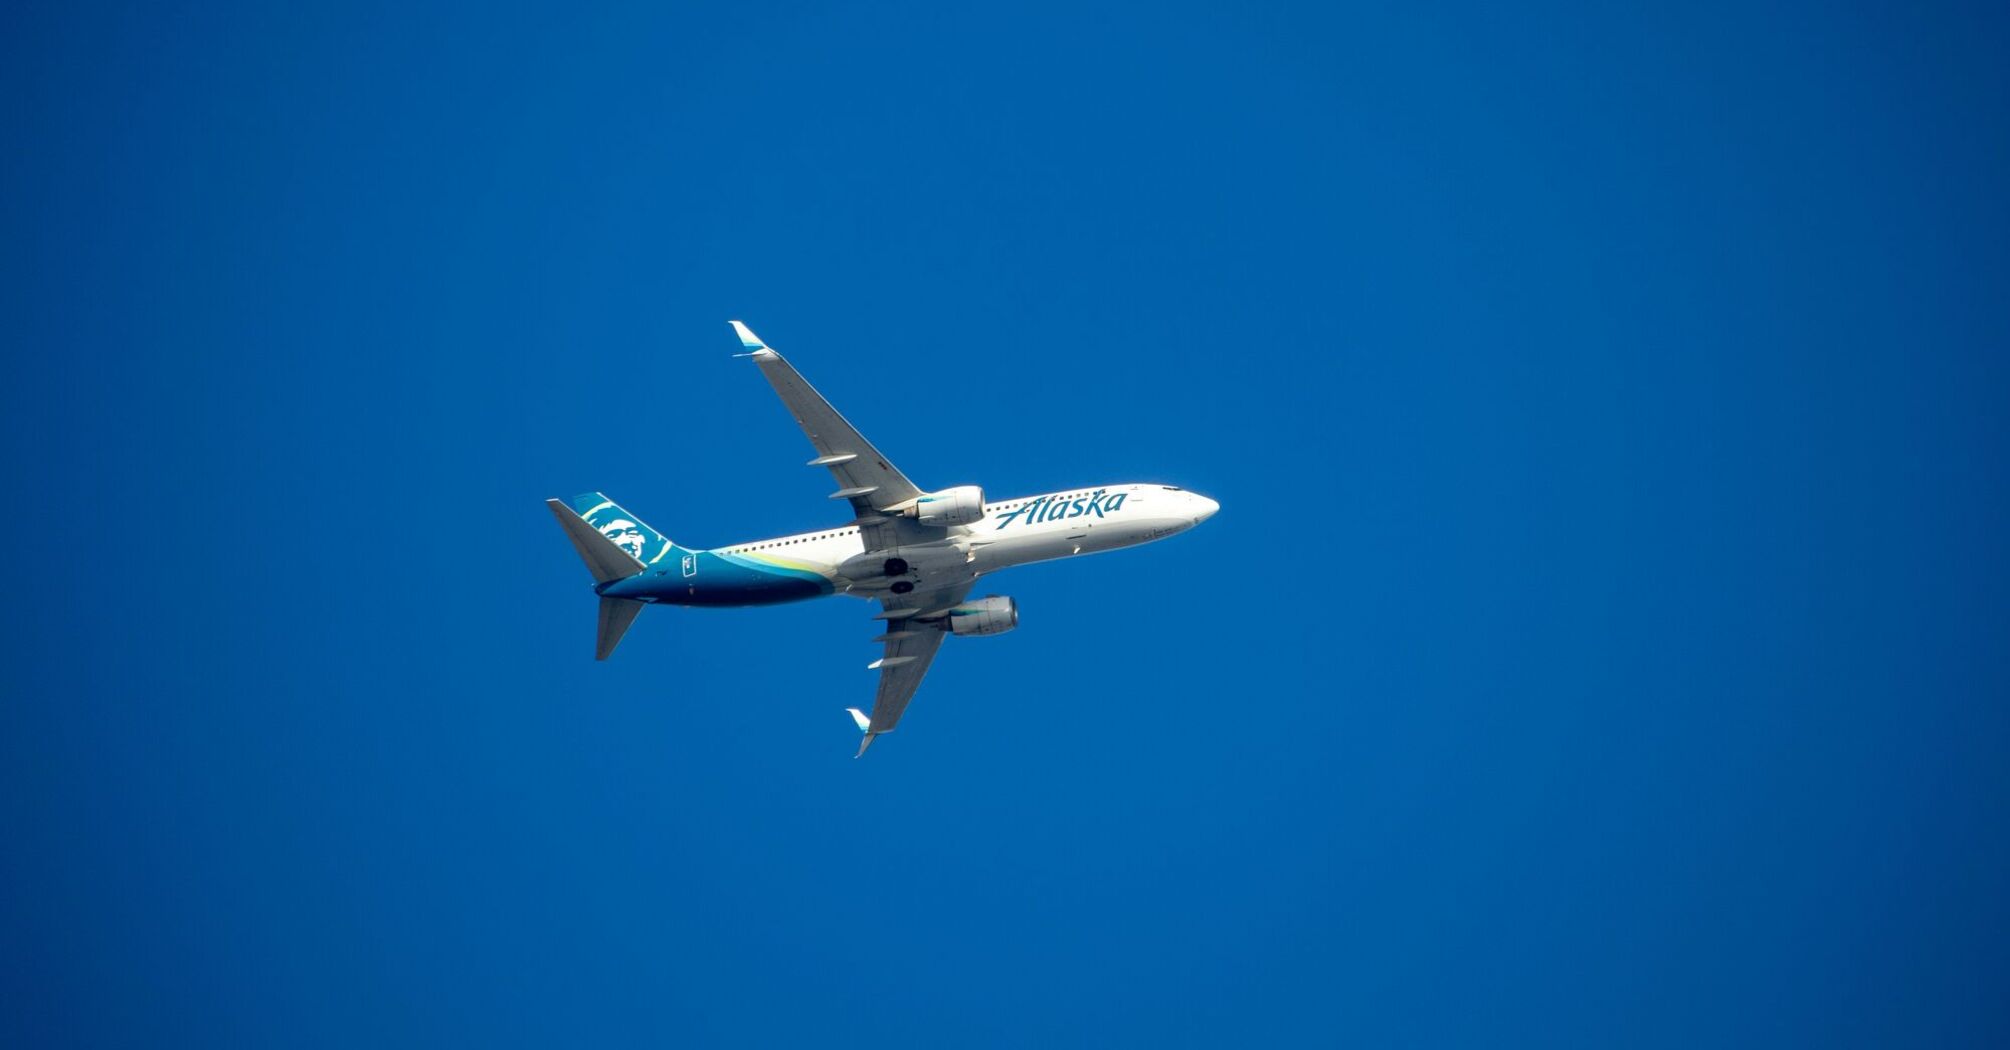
column 605, row 557
column 628, row 532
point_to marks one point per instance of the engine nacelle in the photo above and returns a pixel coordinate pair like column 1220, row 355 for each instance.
column 993, row 615
column 962, row 505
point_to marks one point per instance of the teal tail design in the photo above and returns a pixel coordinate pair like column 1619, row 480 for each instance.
column 617, row 547
column 627, row 531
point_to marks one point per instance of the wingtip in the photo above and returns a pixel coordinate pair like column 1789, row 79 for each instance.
column 864, row 723
column 747, row 337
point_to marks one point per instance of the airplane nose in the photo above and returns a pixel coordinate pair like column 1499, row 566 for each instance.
column 1205, row 510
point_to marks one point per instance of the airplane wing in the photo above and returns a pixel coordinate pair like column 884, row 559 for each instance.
column 913, row 634
column 863, row 476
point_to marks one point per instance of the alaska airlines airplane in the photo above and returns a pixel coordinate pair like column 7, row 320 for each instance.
column 915, row 553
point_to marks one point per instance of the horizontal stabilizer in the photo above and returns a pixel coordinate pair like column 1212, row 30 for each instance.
column 603, row 557
column 864, row 723
column 615, row 616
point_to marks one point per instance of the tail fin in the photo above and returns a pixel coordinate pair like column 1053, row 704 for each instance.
column 628, row 532
column 604, row 556
column 615, row 545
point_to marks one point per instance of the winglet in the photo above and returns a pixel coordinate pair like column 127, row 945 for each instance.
column 864, row 726
column 748, row 339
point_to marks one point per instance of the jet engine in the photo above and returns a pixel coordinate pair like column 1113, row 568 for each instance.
column 993, row 615
column 961, row 505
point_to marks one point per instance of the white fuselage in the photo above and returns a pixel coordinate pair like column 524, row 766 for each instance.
column 1012, row 532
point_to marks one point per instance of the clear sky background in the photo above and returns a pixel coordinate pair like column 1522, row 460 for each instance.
column 1602, row 642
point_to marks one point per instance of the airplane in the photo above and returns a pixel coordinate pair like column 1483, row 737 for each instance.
column 917, row 553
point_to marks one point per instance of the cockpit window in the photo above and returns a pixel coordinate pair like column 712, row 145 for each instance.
column 1172, row 488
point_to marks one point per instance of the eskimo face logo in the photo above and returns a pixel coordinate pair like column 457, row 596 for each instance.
column 1047, row 508
column 639, row 541
column 626, row 535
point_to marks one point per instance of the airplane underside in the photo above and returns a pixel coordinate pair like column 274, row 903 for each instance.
column 916, row 553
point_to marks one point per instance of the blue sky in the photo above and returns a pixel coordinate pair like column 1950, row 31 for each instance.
column 1602, row 641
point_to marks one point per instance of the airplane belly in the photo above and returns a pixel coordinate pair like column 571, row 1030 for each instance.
column 1023, row 549
column 741, row 579
column 903, row 570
